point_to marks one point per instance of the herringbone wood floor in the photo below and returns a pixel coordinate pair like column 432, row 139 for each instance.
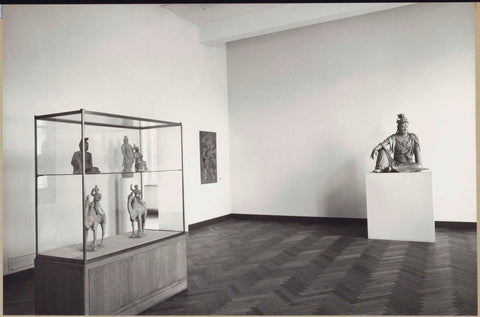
column 277, row 268
column 260, row 267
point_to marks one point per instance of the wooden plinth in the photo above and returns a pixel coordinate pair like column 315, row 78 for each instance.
column 125, row 283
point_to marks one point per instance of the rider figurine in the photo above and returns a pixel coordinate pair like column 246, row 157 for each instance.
column 97, row 196
column 138, row 194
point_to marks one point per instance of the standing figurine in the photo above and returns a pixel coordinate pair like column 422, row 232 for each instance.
column 405, row 148
column 137, row 210
column 77, row 160
column 127, row 151
column 140, row 164
column 94, row 215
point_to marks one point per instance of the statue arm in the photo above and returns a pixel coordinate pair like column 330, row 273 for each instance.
column 388, row 142
column 416, row 148
column 88, row 159
column 74, row 159
column 418, row 158
column 375, row 150
column 123, row 149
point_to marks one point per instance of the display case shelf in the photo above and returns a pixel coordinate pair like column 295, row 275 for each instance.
column 112, row 173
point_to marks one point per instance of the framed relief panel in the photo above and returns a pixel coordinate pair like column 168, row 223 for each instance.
column 208, row 157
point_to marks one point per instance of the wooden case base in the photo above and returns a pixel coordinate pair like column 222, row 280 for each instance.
column 125, row 283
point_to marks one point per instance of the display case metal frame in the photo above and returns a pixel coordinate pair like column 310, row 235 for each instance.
column 126, row 281
column 56, row 117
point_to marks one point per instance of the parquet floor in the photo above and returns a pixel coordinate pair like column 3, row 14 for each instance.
column 260, row 267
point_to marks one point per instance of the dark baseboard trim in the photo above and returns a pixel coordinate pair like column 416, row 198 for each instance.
column 152, row 211
column 330, row 220
column 197, row 225
column 19, row 276
column 333, row 220
column 455, row 225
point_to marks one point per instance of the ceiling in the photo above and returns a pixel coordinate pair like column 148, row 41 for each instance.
column 221, row 23
column 207, row 13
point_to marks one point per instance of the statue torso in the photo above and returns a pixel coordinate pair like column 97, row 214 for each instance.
column 403, row 147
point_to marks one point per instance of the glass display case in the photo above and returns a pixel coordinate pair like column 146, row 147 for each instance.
column 105, row 183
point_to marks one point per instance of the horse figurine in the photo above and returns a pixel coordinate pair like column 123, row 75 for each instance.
column 94, row 216
column 137, row 211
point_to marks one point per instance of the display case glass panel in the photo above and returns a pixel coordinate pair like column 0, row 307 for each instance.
column 59, row 212
column 56, row 142
column 133, row 166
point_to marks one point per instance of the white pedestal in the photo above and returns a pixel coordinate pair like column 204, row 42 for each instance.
column 400, row 206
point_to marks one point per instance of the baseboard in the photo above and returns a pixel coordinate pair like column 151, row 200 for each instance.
column 19, row 276
column 152, row 211
column 329, row 220
column 332, row 220
column 455, row 225
column 197, row 225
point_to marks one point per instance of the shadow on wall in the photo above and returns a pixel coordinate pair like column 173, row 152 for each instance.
column 346, row 194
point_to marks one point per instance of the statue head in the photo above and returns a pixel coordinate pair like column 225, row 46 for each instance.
column 125, row 139
column 402, row 124
column 86, row 144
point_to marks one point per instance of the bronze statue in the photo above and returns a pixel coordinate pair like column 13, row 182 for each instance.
column 138, row 211
column 127, row 151
column 405, row 148
column 77, row 160
column 94, row 215
column 140, row 164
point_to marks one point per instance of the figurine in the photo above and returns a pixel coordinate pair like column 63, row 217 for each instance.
column 94, row 215
column 140, row 164
column 77, row 160
column 404, row 146
column 137, row 210
column 127, row 151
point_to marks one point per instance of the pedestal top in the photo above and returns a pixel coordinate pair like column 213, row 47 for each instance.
column 402, row 174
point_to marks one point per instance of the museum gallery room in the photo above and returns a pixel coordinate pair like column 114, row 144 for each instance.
column 240, row 159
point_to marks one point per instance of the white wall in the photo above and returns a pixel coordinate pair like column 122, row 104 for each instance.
column 307, row 106
column 137, row 60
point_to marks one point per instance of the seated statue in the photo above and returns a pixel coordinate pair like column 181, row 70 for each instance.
column 404, row 147
column 77, row 160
